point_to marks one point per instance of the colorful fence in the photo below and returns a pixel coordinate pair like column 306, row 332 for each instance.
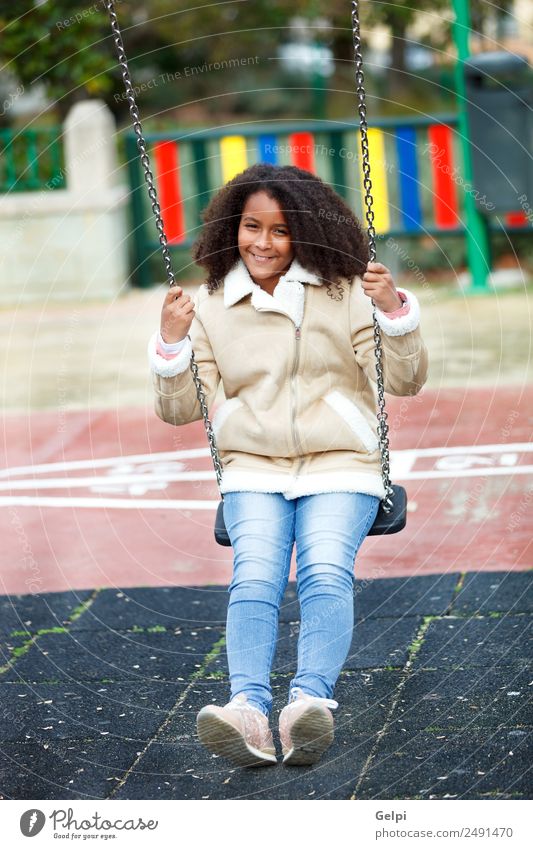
column 415, row 174
column 414, row 186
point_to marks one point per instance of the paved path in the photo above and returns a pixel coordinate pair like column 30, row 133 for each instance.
column 105, row 499
column 93, row 355
column 100, row 689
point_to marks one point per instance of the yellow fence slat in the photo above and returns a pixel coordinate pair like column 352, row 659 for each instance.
column 233, row 156
column 378, row 176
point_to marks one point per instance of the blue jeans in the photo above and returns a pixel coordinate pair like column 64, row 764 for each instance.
column 328, row 529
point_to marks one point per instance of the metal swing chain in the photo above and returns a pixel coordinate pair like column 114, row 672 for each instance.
column 156, row 209
column 383, row 428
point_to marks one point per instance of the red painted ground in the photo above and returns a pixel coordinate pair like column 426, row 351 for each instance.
column 480, row 522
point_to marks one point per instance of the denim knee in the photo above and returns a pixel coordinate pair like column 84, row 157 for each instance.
column 253, row 589
column 316, row 579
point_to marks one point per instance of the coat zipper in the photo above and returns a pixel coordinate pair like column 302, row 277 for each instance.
column 296, row 362
column 293, row 398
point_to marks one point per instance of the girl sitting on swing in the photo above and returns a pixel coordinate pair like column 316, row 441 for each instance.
column 284, row 319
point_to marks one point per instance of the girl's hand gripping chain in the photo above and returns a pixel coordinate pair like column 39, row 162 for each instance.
column 379, row 285
column 176, row 316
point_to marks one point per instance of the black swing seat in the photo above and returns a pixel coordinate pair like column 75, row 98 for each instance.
column 384, row 523
column 221, row 534
column 391, row 523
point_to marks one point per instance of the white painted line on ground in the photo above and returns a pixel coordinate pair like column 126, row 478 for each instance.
column 431, row 474
column 109, row 480
column 74, row 465
column 454, row 462
column 104, row 503
column 193, row 453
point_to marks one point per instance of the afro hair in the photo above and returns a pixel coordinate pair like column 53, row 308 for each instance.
column 326, row 237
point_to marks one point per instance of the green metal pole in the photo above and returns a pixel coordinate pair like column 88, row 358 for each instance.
column 477, row 230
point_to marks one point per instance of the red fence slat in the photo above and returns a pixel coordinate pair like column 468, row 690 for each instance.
column 302, row 147
column 444, row 186
column 166, row 156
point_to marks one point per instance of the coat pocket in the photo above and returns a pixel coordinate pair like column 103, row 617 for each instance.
column 224, row 412
column 354, row 418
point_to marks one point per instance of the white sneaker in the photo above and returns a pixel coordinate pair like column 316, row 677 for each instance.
column 305, row 728
column 238, row 731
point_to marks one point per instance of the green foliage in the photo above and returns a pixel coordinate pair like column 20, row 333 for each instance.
column 58, row 43
column 66, row 44
column 480, row 11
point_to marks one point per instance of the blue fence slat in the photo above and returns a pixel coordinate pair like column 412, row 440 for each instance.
column 410, row 207
column 267, row 149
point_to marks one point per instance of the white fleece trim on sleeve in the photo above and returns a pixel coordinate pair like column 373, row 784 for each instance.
column 169, row 368
column 404, row 323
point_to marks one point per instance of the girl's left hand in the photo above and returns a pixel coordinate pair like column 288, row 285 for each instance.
column 379, row 285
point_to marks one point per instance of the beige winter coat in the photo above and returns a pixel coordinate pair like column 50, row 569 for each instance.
column 298, row 372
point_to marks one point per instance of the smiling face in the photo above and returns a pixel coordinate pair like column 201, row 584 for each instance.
column 264, row 241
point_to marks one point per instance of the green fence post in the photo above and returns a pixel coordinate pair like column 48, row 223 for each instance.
column 335, row 138
column 32, row 181
column 141, row 253
column 10, row 180
column 477, row 230
column 203, row 189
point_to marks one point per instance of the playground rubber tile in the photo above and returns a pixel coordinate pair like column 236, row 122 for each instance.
column 289, row 610
column 183, row 769
column 376, row 643
column 398, row 597
column 462, row 765
column 107, row 656
column 170, row 607
column 49, row 712
column 159, row 775
column 465, row 699
column 487, row 642
column 9, row 645
column 34, row 612
column 181, row 726
column 365, row 699
column 364, row 702
column 389, row 597
column 379, row 643
column 167, row 607
column 484, row 592
column 64, row 770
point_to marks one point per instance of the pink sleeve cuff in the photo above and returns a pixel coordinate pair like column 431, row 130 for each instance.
column 168, row 350
column 401, row 310
column 159, row 350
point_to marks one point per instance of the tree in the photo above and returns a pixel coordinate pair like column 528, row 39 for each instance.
column 59, row 44
column 398, row 16
column 66, row 44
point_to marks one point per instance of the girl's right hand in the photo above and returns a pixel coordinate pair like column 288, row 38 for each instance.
column 176, row 316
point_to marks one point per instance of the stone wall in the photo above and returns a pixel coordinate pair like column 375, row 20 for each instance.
column 70, row 244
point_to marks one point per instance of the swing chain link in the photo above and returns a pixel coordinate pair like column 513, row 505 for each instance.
column 156, row 209
column 382, row 428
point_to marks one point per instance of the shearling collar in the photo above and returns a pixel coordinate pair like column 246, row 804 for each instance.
column 238, row 282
